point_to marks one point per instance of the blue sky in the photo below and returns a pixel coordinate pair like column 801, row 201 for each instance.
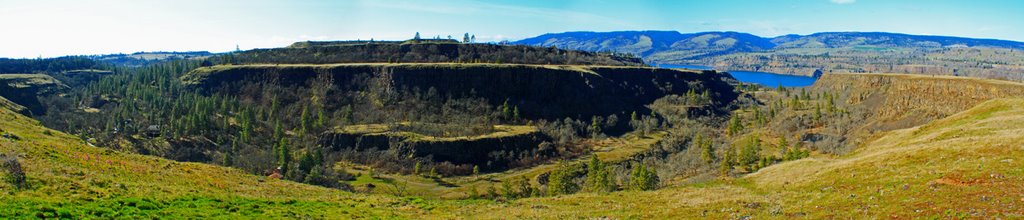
column 70, row 27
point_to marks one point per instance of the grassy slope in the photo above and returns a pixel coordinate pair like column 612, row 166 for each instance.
column 966, row 165
column 70, row 178
column 498, row 132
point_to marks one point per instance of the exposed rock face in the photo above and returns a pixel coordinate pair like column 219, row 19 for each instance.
column 477, row 150
column 456, row 150
column 540, row 91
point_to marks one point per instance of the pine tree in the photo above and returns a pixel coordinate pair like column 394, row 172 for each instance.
column 705, row 97
column 735, row 125
column 304, row 120
column 727, row 162
column 416, row 168
column 284, row 156
column 506, row 111
column 750, row 154
column 560, row 182
column 306, row 162
column 515, row 113
column 321, row 119
column 595, row 126
column 642, row 178
column 278, row 131
column 315, row 176
column 707, row 152
column 229, row 158
column 598, row 177
column 524, row 187
column 817, row 113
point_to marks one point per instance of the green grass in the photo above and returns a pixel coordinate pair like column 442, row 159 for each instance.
column 27, row 80
column 69, row 177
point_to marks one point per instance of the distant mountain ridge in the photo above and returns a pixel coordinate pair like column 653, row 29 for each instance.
column 646, row 43
column 852, row 52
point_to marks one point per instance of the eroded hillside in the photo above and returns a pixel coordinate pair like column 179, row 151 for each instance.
column 883, row 102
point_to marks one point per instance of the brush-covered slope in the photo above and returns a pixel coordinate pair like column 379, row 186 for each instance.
column 884, row 102
column 539, row 91
column 967, row 165
column 69, row 179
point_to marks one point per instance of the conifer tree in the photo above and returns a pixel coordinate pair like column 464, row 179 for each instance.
column 707, row 153
column 642, row 178
column 560, row 182
column 304, row 120
column 598, row 177
column 727, row 162
column 284, row 156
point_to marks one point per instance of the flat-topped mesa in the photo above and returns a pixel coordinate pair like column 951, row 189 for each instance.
column 539, row 91
column 423, row 51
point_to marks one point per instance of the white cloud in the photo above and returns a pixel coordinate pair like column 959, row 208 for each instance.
column 842, row 2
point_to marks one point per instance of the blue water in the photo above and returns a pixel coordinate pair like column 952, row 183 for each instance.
column 760, row 78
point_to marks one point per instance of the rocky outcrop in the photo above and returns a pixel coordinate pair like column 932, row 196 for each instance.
column 477, row 150
column 24, row 90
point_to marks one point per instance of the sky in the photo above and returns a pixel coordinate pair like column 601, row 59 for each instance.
column 49, row 28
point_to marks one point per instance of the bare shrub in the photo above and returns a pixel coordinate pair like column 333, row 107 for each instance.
column 15, row 174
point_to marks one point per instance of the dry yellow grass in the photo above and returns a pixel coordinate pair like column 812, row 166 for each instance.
column 965, row 166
